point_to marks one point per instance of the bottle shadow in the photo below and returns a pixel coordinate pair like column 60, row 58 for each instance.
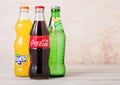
column 79, row 73
column 73, row 74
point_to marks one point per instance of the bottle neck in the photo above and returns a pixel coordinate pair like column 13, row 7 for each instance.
column 39, row 14
column 55, row 20
column 24, row 14
column 55, row 13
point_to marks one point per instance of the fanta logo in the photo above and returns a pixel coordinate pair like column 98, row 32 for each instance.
column 21, row 59
column 39, row 42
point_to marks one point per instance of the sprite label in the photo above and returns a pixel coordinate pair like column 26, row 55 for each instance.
column 57, row 23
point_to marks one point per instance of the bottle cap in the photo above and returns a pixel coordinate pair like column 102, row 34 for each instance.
column 55, row 7
column 39, row 7
column 24, row 7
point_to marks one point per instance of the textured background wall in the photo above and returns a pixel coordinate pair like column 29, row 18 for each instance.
column 92, row 28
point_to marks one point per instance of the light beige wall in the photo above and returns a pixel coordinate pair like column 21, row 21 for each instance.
column 92, row 28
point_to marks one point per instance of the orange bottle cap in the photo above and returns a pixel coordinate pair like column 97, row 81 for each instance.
column 24, row 7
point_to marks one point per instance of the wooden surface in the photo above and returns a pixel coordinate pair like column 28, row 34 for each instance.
column 76, row 75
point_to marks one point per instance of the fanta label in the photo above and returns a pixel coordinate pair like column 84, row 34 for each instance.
column 21, row 59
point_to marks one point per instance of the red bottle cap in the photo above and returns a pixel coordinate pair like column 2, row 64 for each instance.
column 39, row 7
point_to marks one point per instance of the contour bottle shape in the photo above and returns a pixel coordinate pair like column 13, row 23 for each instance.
column 57, row 44
column 39, row 46
column 21, row 44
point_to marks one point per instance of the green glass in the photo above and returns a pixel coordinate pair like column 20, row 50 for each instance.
column 57, row 44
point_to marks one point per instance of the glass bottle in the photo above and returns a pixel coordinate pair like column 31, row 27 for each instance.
column 57, row 44
column 39, row 46
column 21, row 44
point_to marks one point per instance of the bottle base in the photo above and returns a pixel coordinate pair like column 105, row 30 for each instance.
column 55, row 76
column 38, row 77
column 21, row 74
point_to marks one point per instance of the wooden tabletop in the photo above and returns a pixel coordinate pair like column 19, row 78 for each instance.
column 75, row 75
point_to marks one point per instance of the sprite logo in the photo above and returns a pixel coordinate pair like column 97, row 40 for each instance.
column 57, row 23
column 20, row 59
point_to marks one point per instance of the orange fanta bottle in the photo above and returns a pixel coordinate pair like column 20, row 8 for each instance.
column 21, row 44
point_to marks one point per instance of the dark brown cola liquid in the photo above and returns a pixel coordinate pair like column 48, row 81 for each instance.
column 39, row 68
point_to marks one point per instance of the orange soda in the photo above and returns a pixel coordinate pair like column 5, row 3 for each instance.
column 21, row 44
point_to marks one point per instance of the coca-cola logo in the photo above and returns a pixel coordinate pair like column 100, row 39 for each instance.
column 39, row 42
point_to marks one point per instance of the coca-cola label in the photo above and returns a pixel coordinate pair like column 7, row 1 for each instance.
column 39, row 42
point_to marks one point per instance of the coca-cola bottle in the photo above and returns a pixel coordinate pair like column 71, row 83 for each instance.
column 39, row 46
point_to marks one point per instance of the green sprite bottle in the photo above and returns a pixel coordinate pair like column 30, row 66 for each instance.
column 57, row 44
